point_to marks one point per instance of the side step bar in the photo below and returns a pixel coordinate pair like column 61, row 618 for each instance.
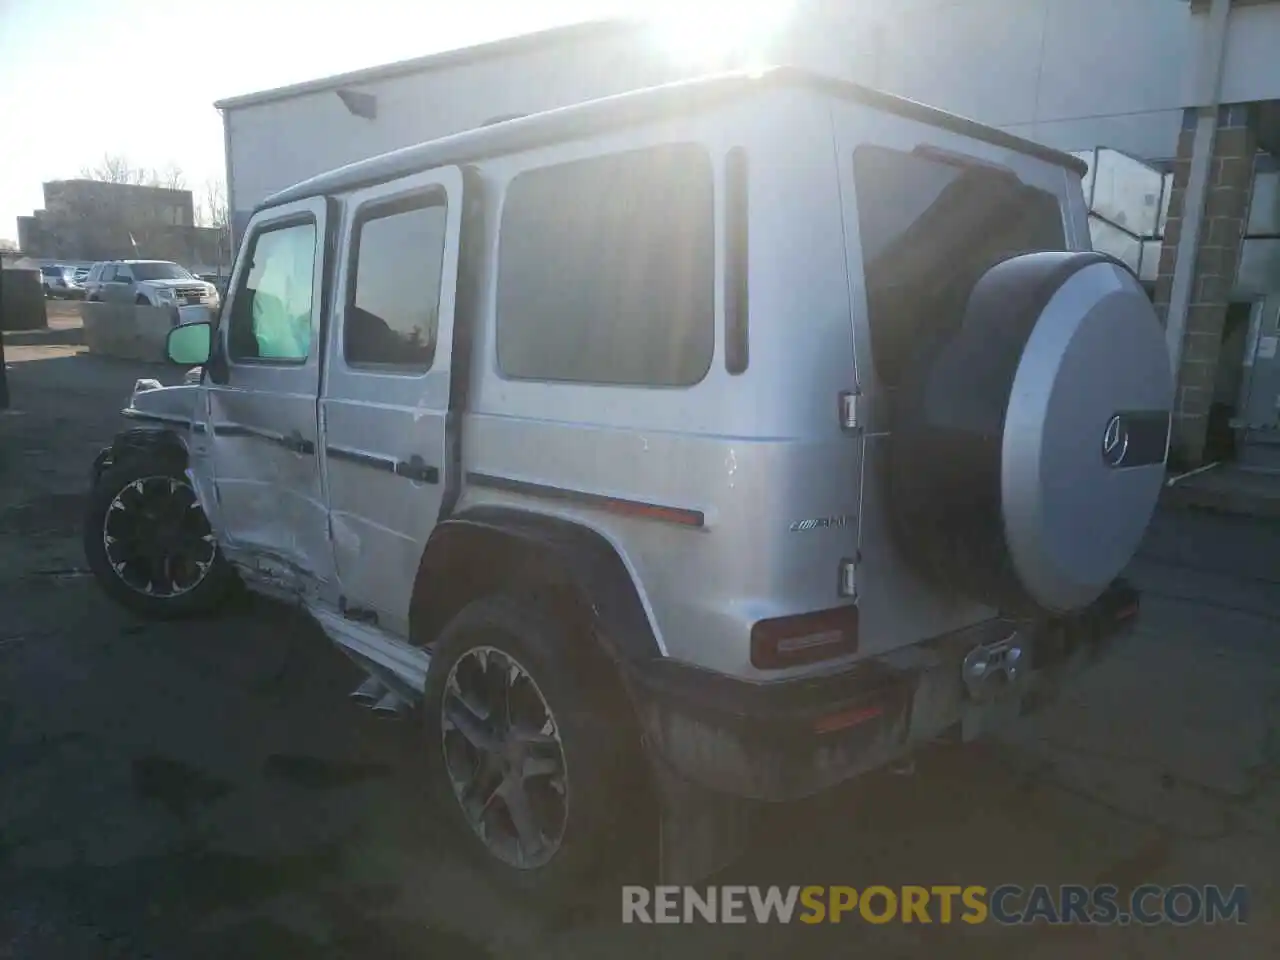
column 397, row 671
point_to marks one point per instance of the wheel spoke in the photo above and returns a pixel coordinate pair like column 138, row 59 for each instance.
column 529, row 838
column 538, row 767
column 458, row 715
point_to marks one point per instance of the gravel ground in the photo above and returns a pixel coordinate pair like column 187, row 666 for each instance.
column 207, row 790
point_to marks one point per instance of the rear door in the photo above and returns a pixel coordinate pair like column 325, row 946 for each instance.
column 262, row 393
column 118, row 287
column 385, row 402
column 924, row 208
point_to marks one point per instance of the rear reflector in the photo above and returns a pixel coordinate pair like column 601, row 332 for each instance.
column 806, row 638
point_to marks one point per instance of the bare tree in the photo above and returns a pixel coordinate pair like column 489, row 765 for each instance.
column 211, row 212
column 211, row 207
column 113, row 168
column 171, row 177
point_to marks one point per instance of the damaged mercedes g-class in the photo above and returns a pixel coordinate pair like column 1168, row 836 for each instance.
column 722, row 440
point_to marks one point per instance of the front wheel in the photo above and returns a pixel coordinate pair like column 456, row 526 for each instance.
column 148, row 542
column 527, row 752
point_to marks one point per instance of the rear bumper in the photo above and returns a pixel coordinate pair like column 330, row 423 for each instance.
column 785, row 740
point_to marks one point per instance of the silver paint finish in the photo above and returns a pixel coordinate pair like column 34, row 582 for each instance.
column 755, row 451
column 1072, row 522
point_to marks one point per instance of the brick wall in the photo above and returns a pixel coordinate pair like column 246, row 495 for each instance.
column 1217, row 255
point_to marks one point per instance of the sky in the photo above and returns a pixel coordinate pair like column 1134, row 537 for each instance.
column 80, row 79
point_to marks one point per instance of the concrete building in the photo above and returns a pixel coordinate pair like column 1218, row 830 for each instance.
column 87, row 220
column 1171, row 101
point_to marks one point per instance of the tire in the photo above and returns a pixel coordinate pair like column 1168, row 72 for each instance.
column 142, row 301
column 138, row 483
column 598, row 759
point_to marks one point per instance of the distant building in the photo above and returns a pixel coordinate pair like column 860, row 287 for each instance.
column 86, row 220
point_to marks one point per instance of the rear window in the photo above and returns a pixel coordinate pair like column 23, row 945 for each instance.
column 929, row 229
column 606, row 270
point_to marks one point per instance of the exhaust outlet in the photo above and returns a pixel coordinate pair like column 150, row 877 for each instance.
column 369, row 693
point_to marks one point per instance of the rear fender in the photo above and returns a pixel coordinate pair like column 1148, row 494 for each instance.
column 497, row 549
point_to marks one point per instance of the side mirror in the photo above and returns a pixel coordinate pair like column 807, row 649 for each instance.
column 189, row 345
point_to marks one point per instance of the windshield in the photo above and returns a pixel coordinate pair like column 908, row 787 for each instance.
column 159, row 271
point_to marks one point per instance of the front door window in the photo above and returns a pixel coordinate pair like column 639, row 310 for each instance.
column 271, row 312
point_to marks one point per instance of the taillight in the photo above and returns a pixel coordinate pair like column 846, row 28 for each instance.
column 804, row 638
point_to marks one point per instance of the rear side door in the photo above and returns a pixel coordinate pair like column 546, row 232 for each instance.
column 261, row 391
column 119, row 285
column 385, row 402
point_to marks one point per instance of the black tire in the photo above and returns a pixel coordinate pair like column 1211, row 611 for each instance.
column 150, row 469
column 142, row 301
column 591, row 720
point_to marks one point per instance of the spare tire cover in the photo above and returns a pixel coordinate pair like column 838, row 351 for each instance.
column 1029, row 439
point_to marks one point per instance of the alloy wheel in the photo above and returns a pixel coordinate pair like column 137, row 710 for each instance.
column 504, row 757
column 157, row 538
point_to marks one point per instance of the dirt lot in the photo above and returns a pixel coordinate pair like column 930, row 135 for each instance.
column 207, row 790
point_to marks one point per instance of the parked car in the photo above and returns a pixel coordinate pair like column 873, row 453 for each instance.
column 733, row 438
column 219, row 282
column 59, row 282
column 156, row 283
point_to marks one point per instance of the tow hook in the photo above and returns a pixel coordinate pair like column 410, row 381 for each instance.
column 992, row 667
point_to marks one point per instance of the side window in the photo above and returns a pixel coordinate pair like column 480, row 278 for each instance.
column 929, row 229
column 394, row 298
column 271, row 316
column 123, row 274
column 606, row 270
column 109, row 274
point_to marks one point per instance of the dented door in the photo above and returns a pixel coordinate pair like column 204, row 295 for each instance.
column 385, row 402
column 262, row 392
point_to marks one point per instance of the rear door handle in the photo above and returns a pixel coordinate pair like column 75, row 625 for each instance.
column 296, row 442
column 417, row 470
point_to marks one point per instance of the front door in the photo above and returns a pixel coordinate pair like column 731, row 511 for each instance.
column 386, row 394
column 262, row 391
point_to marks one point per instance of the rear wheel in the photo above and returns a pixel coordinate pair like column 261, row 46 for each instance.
column 142, row 301
column 527, row 756
column 148, row 542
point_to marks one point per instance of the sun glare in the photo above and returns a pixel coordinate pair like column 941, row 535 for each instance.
column 721, row 33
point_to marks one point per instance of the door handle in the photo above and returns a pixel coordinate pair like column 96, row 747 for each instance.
column 296, row 442
column 417, row 470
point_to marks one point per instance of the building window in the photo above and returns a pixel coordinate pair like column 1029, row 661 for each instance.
column 606, row 270
column 394, row 303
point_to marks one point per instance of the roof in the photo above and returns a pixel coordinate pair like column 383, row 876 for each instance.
column 507, row 47
column 583, row 119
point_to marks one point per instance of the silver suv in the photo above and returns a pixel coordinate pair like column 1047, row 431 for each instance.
column 154, row 283
column 735, row 437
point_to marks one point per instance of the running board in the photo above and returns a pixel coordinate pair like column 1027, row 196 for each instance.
column 389, row 660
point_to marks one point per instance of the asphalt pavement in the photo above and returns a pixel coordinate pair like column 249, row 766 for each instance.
column 207, row 789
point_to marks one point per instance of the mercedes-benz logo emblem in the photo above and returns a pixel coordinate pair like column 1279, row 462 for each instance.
column 1115, row 441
